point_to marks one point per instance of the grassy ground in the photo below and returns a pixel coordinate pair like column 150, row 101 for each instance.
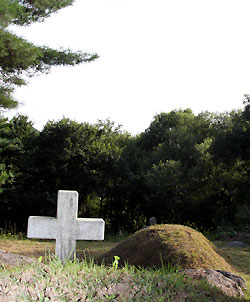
column 89, row 282
column 35, row 249
column 168, row 243
column 239, row 258
column 85, row 281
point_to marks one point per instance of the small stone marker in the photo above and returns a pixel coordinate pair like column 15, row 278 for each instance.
column 66, row 228
column 152, row 221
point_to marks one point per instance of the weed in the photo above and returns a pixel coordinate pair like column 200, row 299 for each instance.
column 116, row 262
column 11, row 235
column 77, row 280
column 111, row 297
column 86, row 281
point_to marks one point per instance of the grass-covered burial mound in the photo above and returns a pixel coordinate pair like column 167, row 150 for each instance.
column 174, row 244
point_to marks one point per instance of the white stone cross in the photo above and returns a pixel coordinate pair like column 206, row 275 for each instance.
column 66, row 228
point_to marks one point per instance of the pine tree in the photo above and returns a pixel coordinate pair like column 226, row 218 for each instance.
column 20, row 58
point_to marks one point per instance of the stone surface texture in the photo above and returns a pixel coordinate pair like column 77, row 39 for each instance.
column 66, row 228
column 238, row 244
column 238, row 279
column 9, row 259
column 229, row 283
column 152, row 221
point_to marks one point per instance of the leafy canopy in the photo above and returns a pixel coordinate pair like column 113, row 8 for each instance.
column 20, row 58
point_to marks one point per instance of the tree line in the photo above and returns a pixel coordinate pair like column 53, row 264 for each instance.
column 184, row 168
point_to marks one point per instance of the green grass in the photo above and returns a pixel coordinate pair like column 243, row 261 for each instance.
column 175, row 244
column 239, row 258
column 83, row 280
column 86, row 281
column 36, row 248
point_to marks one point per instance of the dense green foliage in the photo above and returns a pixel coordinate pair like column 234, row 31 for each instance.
column 185, row 168
column 19, row 58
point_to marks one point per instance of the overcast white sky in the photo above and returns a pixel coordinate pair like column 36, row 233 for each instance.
column 155, row 56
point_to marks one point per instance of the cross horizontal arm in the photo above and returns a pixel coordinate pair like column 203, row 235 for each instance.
column 42, row 227
column 89, row 229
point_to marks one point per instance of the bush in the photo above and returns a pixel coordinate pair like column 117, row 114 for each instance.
column 243, row 215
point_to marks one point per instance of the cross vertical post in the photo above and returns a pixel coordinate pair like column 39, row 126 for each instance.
column 67, row 208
